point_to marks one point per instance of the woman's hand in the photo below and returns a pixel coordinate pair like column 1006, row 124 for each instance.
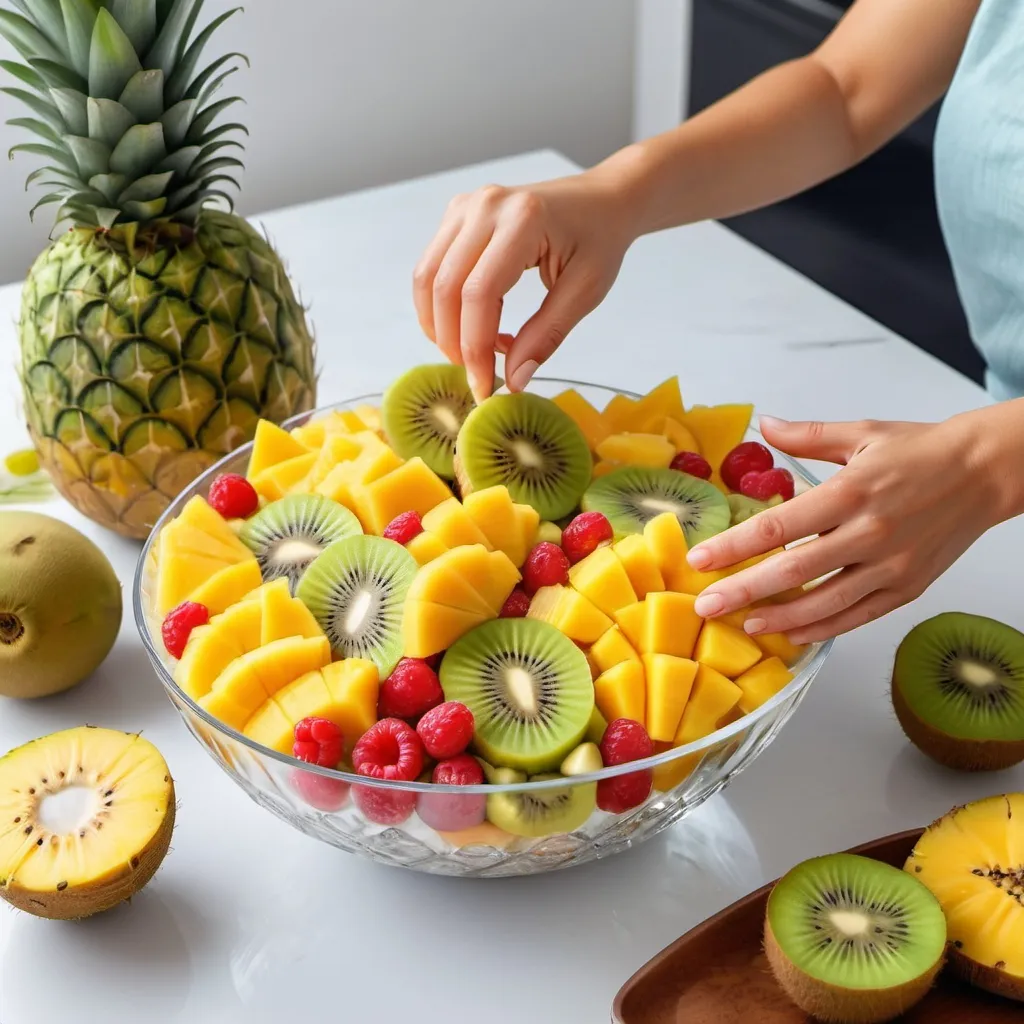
column 910, row 500
column 575, row 230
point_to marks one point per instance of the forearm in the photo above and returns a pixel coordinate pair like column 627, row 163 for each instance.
column 993, row 444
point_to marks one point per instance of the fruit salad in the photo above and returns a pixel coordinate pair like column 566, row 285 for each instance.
column 437, row 591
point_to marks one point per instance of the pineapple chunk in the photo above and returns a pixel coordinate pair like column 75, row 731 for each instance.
column 272, row 445
column 429, row 628
column 312, row 434
column 602, row 579
column 671, row 625
column 284, row 615
column 447, row 580
column 636, row 450
column 228, row 586
column 572, row 613
column 584, row 415
column 411, row 487
column 370, row 416
column 453, row 525
column 619, row 692
column 669, row 682
column 612, row 648
column 631, row 620
column 283, row 478
column 680, row 437
column 425, row 547
column 761, row 683
column 726, row 649
column 712, row 698
column 718, row 430
column 640, row 564
column 494, row 512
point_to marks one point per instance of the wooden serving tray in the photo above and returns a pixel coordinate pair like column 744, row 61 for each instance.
column 717, row 973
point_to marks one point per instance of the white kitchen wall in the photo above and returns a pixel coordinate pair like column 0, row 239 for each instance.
column 348, row 93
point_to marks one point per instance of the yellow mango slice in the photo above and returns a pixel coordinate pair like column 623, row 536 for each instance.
column 370, row 416
column 571, row 612
column 681, row 438
column 489, row 573
column 312, row 434
column 353, row 685
column 619, row 413
column 603, row 580
column 336, row 449
column 411, row 487
column 494, row 512
column 634, row 449
column 228, row 586
column 671, row 626
column 271, row 727
column 225, row 706
column 726, row 649
column 620, row 692
column 603, row 469
column 631, row 620
column 659, row 404
column 529, row 524
column 711, row 699
column 612, row 648
column 272, row 445
column 584, row 415
column 284, row 615
column 777, row 645
column 640, row 564
column 429, row 628
column 276, row 481
column 446, row 580
column 669, row 682
column 179, row 576
column 667, row 541
column 425, row 547
column 211, row 648
column 200, row 514
column 718, row 430
column 761, row 683
column 453, row 525
column 690, row 581
column 181, row 539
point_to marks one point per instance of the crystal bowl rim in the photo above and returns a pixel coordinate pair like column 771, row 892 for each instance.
column 800, row 681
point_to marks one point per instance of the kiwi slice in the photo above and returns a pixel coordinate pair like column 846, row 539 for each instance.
column 86, row 817
column 852, row 939
column 286, row 535
column 743, row 508
column 356, row 590
column 958, row 691
column 543, row 812
column 632, row 496
column 423, row 411
column 526, row 443
column 529, row 688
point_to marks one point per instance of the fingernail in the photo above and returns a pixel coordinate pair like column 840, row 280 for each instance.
column 699, row 558
column 773, row 422
column 753, row 626
column 480, row 392
column 709, row 604
column 523, row 375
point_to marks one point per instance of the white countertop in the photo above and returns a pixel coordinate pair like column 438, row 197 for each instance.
column 250, row 922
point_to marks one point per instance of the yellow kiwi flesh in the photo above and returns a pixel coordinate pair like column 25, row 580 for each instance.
column 86, row 817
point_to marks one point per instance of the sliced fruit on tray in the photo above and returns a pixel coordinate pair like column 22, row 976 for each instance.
column 852, row 939
column 287, row 535
column 669, row 681
column 356, row 589
column 86, row 817
column 611, row 648
column 529, row 689
column 530, row 446
column 631, row 497
column 543, row 812
column 958, row 691
column 640, row 563
column 972, row 859
column 423, row 411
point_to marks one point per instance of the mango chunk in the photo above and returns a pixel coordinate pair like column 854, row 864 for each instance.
column 726, row 649
column 411, row 487
column 718, row 430
column 669, row 682
column 671, row 626
column 620, row 692
column 761, row 683
column 453, row 525
column 640, row 564
column 425, row 547
column 711, row 699
column 228, row 586
column 612, row 648
column 282, row 478
column 429, row 628
column 584, row 415
column 635, row 449
column 272, row 445
column 494, row 512
column 602, row 578
column 571, row 612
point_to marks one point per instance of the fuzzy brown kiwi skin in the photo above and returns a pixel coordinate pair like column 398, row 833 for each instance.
column 962, row 755
column 833, row 1003
column 74, row 904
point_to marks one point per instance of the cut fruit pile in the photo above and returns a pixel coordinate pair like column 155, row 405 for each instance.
column 467, row 594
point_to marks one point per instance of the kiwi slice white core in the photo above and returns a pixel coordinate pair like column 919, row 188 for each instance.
column 68, row 810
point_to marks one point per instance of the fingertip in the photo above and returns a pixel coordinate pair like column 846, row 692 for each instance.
column 522, row 375
column 699, row 558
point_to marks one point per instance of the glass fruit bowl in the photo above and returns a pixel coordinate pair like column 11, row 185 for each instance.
column 564, row 825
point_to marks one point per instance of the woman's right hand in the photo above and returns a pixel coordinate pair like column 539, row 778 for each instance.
column 575, row 230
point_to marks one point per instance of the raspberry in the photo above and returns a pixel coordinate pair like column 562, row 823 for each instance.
column 233, row 496
column 318, row 741
column 320, row 792
column 624, row 792
column 446, row 730
column 384, row 806
column 411, row 690
column 764, row 486
column 516, row 605
column 692, row 463
column 748, row 457
column 403, row 528
column 625, row 740
column 545, row 566
column 178, row 625
column 389, row 749
column 585, row 534
column 448, row 812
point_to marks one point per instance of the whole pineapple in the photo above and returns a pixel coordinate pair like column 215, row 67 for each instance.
column 157, row 329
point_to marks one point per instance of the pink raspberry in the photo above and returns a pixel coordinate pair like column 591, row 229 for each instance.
column 585, row 534
column 624, row 792
column 384, row 806
column 625, row 740
column 318, row 741
column 411, row 690
column 320, row 792
column 389, row 749
column 516, row 605
column 449, row 812
column 747, row 457
column 546, row 565
column 403, row 528
column 692, row 463
column 764, row 486
column 446, row 730
column 178, row 625
column 233, row 496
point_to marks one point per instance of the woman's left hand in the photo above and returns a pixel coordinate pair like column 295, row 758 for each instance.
column 911, row 498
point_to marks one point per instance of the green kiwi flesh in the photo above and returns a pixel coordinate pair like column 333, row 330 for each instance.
column 288, row 534
column 529, row 688
column 423, row 411
column 356, row 590
column 958, row 691
column 526, row 443
column 632, row 496
column 852, row 939
column 743, row 508
column 545, row 812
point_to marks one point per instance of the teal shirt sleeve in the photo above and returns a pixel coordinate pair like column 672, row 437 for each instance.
column 979, row 177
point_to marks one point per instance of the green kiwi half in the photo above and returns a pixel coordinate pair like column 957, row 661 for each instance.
column 423, row 411
column 743, row 508
column 958, row 691
column 526, row 443
column 356, row 590
column 853, row 939
column 288, row 534
column 529, row 688
column 632, row 496
column 545, row 812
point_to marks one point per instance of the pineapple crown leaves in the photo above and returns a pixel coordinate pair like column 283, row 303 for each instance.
column 121, row 110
